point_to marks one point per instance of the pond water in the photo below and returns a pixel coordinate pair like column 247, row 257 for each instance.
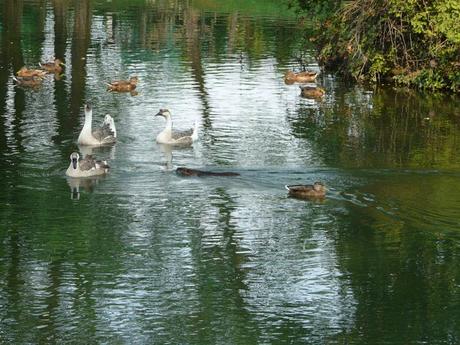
column 143, row 256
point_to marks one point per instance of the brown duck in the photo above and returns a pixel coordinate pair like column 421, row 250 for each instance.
column 312, row 91
column 201, row 173
column 302, row 77
column 317, row 190
column 26, row 72
column 123, row 85
column 33, row 81
column 53, row 67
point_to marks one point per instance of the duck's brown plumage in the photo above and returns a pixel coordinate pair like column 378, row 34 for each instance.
column 32, row 81
column 26, row 72
column 317, row 190
column 123, row 85
column 52, row 67
column 312, row 91
column 302, row 77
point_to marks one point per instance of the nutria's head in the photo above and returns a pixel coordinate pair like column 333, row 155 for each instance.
column 185, row 172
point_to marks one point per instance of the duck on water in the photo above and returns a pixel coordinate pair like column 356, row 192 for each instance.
column 29, row 72
column 123, row 85
column 104, row 135
column 53, row 66
column 302, row 77
column 316, row 190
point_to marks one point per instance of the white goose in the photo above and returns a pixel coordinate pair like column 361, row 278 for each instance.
column 105, row 135
column 85, row 167
column 171, row 137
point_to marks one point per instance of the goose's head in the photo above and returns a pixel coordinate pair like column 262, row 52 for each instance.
column 164, row 112
column 74, row 157
column 88, row 108
column 109, row 120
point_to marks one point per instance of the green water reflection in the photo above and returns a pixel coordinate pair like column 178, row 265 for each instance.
column 144, row 256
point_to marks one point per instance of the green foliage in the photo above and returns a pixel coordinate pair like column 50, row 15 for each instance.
column 409, row 42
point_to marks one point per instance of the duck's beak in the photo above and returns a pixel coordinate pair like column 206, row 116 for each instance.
column 74, row 162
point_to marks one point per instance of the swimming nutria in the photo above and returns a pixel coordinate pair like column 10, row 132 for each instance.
column 305, row 191
column 194, row 172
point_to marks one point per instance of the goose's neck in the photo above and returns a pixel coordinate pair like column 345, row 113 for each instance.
column 88, row 121
column 168, row 125
column 71, row 168
column 165, row 135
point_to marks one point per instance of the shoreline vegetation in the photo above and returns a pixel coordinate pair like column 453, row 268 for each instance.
column 413, row 43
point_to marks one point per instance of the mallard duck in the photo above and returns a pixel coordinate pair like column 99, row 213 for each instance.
column 53, row 67
column 201, row 173
column 307, row 191
column 85, row 167
column 26, row 72
column 123, row 85
column 312, row 91
column 104, row 135
column 33, row 81
column 171, row 137
column 302, row 77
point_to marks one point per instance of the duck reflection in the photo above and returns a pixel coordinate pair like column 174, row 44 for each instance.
column 87, row 183
column 167, row 151
column 103, row 152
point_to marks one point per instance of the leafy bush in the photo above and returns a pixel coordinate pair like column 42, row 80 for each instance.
column 409, row 42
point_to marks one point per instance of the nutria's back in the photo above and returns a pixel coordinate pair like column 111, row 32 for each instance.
column 200, row 173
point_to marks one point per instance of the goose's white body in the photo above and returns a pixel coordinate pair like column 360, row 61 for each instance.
column 105, row 135
column 85, row 167
column 171, row 137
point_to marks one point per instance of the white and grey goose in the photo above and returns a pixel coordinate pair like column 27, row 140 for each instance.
column 174, row 137
column 104, row 135
column 86, row 167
